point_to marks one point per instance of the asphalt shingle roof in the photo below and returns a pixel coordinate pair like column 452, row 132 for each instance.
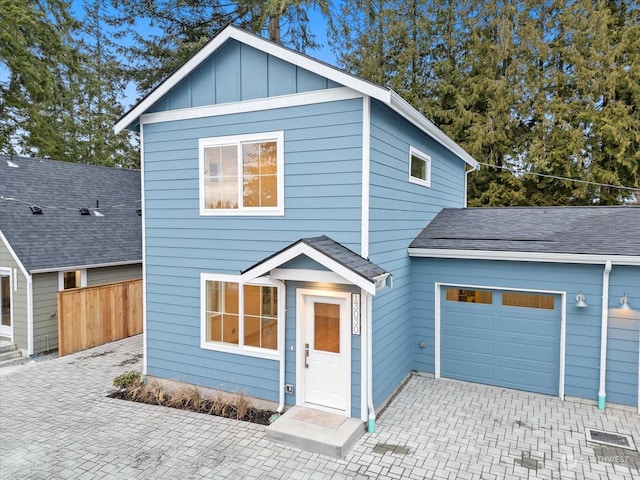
column 569, row 230
column 61, row 237
column 337, row 252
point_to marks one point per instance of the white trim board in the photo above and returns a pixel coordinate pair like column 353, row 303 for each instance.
column 524, row 256
column 366, row 177
column 269, row 103
column 322, row 259
column 563, row 322
column 384, row 95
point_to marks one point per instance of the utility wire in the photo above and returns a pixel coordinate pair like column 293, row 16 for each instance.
column 53, row 207
column 525, row 172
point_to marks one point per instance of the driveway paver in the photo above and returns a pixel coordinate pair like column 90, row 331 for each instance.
column 56, row 422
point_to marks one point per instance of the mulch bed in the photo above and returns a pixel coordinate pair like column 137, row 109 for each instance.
column 253, row 415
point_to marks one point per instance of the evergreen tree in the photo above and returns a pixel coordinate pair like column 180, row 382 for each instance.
column 525, row 86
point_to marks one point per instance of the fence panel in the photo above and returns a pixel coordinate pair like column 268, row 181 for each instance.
column 92, row 316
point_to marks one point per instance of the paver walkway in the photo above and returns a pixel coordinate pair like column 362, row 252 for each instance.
column 57, row 423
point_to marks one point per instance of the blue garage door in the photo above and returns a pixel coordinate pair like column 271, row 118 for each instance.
column 507, row 339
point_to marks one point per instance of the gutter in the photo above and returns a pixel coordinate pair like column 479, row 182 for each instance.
column 602, row 393
column 87, row 267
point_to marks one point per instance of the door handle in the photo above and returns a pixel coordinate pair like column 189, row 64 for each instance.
column 306, row 355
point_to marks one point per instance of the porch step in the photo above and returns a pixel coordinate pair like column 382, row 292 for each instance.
column 9, row 354
column 316, row 431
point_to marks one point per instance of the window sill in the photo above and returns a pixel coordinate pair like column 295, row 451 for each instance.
column 245, row 351
column 279, row 212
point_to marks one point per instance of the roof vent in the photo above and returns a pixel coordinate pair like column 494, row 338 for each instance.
column 35, row 210
column 139, row 212
column 84, row 211
column 98, row 213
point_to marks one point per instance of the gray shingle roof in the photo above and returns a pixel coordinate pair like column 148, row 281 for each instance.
column 61, row 237
column 337, row 252
column 568, row 230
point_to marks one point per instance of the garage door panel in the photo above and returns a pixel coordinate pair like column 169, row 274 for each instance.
column 514, row 347
column 470, row 369
column 467, row 318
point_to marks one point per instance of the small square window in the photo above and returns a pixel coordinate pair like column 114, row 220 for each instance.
column 419, row 167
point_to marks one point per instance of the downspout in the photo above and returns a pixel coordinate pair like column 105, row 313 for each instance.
column 602, row 393
column 371, row 422
column 281, row 343
column 466, row 182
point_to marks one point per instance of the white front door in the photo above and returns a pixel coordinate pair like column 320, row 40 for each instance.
column 6, row 328
column 325, row 346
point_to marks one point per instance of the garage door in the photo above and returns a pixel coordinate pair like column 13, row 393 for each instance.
column 508, row 339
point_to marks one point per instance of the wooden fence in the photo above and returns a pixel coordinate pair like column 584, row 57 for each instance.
column 92, row 316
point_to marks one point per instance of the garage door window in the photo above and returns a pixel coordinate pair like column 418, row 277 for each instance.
column 528, row 300
column 469, row 296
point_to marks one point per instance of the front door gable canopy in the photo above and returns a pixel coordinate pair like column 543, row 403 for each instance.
column 331, row 255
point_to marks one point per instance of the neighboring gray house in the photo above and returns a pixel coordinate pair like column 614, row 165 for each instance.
column 48, row 244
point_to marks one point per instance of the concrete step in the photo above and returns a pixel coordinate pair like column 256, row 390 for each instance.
column 7, row 347
column 10, row 355
column 316, row 431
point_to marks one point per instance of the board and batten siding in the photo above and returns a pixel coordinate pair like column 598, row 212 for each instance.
column 322, row 181
column 582, row 367
column 99, row 276
column 623, row 331
column 399, row 210
column 238, row 72
column 45, row 312
column 18, row 299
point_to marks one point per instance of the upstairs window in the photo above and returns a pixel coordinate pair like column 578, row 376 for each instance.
column 242, row 175
column 419, row 167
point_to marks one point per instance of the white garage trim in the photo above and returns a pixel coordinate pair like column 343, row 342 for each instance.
column 563, row 322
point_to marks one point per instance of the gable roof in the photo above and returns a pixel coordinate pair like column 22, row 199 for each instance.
column 60, row 237
column 329, row 253
column 533, row 233
column 384, row 95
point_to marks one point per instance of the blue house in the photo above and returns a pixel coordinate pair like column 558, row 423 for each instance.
column 280, row 198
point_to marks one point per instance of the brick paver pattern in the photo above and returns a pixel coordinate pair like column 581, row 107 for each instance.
column 56, row 422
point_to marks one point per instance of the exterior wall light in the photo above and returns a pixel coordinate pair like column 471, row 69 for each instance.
column 580, row 301
column 624, row 303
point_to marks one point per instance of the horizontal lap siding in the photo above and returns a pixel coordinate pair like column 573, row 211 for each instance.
column 45, row 312
column 399, row 210
column 624, row 328
column 583, row 325
column 18, row 299
column 98, row 276
column 322, row 162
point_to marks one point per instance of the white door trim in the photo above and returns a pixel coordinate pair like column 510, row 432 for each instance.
column 563, row 322
column 8, row 331
column 345, row 339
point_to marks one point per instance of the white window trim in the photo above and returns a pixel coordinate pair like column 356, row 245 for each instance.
column 427, row 159
column 240, row 349
column 83, row 277
column 278, row 210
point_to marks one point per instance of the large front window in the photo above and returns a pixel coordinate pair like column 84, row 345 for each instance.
column 242, row 174
column 240, row 317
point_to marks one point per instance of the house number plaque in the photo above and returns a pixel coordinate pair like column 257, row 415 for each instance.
column 355, row 318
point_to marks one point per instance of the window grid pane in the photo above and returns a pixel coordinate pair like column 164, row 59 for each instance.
column 528, row 300
column 260, row 317
column 222, row 312
column 469, row 296
column 418, row 168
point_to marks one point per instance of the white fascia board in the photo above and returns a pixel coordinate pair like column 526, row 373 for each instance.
column 405, row 109
column 87, row 267
column 303, row 249
column 13, row 254
column 261, row 44
column 525, row 256
column 307, row 275
column 268, row 103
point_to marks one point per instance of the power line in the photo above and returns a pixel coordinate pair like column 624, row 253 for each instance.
column 577, row 180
